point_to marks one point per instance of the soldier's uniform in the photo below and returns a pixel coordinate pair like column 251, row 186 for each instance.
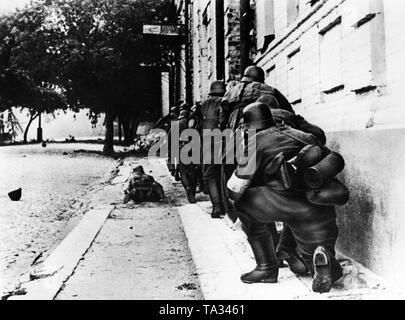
column 187, row 172
column 212, row 171
column 173, row 167
column 251, row 88
column 287, row 246
column 143, row 187
column 262, row 196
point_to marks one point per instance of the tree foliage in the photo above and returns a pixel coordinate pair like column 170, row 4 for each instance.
column 85, row 54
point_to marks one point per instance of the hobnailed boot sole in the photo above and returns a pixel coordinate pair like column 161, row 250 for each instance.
column 322, row 282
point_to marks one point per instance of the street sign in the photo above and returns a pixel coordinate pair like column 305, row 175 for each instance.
column 163, row 29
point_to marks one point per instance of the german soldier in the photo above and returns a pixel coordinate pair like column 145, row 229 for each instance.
column 143, row 187
column 287, row 246
column 250, row 88
column 187, row 171
column 266, row 190
column 212, row 171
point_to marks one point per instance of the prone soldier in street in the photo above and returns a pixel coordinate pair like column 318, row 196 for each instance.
column 212, row 171
column 289, row 178
column 143, row 187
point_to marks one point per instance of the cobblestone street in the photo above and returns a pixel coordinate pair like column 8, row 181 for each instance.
column 56, row 183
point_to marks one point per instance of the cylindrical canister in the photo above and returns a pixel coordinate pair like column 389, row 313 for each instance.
column 324, row 170
column 333, row 193
column 308, row 156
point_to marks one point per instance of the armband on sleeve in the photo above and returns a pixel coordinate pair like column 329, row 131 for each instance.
column 237, row 187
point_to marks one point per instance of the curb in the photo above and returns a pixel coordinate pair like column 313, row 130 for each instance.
column 50, row 275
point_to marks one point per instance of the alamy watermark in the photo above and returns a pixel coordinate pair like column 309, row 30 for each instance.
column 211, row 146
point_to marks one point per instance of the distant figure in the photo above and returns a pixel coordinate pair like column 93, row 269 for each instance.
column 143, row 187
column 15, row 195
column 43, row 144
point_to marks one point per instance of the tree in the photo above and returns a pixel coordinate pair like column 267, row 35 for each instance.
column 95, row 53
column 26, row 88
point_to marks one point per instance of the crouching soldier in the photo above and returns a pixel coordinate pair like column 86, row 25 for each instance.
column 265, row 189
column 143, row 187
column 287, row 247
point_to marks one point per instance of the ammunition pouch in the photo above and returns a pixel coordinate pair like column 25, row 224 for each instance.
column 309, row 156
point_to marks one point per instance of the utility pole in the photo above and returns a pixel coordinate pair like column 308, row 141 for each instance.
column 220, row 39
column 244, row 34
column 189, row 92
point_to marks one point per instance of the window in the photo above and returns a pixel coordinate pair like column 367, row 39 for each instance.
column 365, row 45
column 312, row 2
column 294, row 76
column 331, row 57
column 264, row 23
column 205, row 19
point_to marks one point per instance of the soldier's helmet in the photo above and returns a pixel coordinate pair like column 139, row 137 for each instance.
column 179, row 103
column 174, row 110
column 184, row 114
column 257, row 116
column 270, row 100
column 253, row 73
column 173, row 116
column 184, row 106
column 217, row 88
column 138, row 171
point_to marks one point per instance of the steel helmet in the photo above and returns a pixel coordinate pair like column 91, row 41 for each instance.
column 174, row 110
column 257, row 116
column 184, row 114
column 184, row 106
column 138, row 171
column 253, row 73
column 217, row 88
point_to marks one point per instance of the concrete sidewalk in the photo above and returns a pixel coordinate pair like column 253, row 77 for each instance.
column 120, row 251
column 142, row 252
column 221, row 254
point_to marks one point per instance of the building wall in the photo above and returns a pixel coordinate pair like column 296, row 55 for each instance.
column 341, row 63
column 204, row 44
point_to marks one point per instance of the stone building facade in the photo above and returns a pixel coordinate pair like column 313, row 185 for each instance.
column 203, row 35
column 342, row 65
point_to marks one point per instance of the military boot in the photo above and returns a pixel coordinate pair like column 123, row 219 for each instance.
column 266, row 270
column 326, row 270
column 190, row 195
column 287, row 251
column 215, row 198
